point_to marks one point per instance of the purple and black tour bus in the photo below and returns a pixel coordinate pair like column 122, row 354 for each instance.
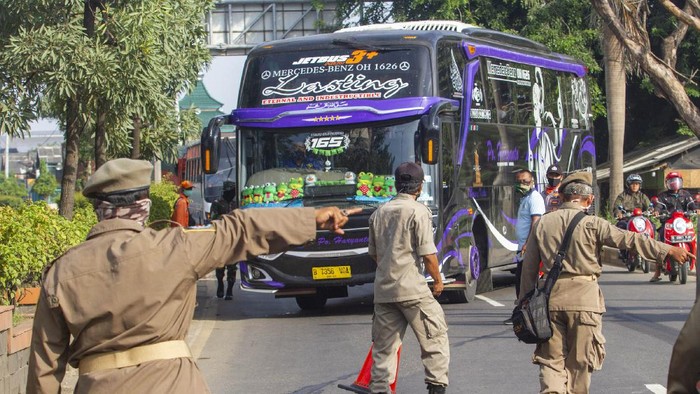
column 326, row 119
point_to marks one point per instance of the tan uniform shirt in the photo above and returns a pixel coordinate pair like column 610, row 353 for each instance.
column 128, row 286
column 577, row 288
column 400, row 233
column 684, row 371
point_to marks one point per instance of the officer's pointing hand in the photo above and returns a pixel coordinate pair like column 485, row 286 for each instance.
column 333, row 218
column 679, row 254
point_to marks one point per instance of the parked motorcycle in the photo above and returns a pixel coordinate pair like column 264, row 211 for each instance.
column 637, row 222
column 678, row 230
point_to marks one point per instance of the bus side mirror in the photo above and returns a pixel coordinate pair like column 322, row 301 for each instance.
column 211, row 145
column 430, row 126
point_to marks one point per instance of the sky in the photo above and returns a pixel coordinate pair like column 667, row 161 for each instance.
column 223, row 79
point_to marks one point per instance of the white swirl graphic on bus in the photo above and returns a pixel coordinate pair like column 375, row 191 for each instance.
column 351, row 83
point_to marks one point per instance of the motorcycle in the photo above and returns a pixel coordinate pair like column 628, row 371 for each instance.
column 678, row 230
column 637, row 222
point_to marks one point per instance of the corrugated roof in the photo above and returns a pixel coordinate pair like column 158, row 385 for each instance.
column 647, row 157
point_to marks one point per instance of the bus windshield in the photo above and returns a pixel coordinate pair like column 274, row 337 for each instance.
column 310, row 168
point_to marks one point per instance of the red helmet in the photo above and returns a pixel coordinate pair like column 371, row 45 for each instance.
column 674, row 181
column 186, row 185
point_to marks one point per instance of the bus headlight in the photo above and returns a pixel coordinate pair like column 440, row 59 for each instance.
column 269, row 257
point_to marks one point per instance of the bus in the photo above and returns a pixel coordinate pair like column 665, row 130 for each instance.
column 326, row 119
column 208, row 187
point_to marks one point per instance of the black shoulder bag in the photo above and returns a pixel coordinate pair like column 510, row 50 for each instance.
column 531, row 322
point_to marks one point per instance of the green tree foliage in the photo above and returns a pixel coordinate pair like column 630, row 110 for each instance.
column 108, row 70
column 163, row 197
column 46, row 184
column 33, row 236
column 11, row 192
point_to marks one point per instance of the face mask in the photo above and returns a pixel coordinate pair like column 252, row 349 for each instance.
column 523, row 189
column 188, row 192
column 554, row 182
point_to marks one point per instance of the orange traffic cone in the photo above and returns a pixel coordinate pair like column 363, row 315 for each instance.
column 361, row 384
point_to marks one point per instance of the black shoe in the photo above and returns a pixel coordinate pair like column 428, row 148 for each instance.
column 220, row 291
column 228, row 297
column 508, row 322
column 436, row 389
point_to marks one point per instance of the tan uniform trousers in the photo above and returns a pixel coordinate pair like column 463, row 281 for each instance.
column 576, row 349
column 427, row 319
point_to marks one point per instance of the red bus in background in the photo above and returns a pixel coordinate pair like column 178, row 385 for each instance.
column 208, row 188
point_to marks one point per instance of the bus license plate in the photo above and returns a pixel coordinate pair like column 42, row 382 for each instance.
column 338, row 272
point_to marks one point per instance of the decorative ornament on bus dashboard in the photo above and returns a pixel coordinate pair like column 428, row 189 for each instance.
column 329, row 143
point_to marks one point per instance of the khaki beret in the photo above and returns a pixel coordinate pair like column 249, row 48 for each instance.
column 583, row 177
column 119, row 176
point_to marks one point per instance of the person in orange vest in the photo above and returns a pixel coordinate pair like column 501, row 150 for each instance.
column 181, row 212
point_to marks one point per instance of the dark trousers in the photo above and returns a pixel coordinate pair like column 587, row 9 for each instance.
column 518, row 273
column 230, row 271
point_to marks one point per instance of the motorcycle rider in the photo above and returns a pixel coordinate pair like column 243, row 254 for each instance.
column 674, row 198
column 631, row 198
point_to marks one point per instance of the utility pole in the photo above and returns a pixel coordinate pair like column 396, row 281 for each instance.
column 7, row 155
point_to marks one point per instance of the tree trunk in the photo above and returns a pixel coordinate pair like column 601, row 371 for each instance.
column 70, row 162
column 615, row 93
column 100, row 138
column 661, row 75
column 136, row 139
column 89, row 17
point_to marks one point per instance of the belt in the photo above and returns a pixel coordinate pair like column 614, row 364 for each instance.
column 135, row 356
column 585, row 278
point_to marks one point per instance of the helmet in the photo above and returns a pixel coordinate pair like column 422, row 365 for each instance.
column 674, row 181
column 186, row 185
column 633, row 178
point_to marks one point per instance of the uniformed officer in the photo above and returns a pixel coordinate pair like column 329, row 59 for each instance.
column 222, row 206
column 400, row 238
column 684, row 371
column 118, row 306
column 576, row 304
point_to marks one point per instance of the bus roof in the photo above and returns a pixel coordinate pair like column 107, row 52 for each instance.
column 425, row 32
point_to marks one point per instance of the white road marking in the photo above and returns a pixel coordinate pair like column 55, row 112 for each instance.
column 490, row 301
column 656, row 388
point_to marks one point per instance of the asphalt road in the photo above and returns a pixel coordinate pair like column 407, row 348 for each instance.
column 257, row 344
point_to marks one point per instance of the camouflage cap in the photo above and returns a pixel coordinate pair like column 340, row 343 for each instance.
column 119, row 176
column 580, row 177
